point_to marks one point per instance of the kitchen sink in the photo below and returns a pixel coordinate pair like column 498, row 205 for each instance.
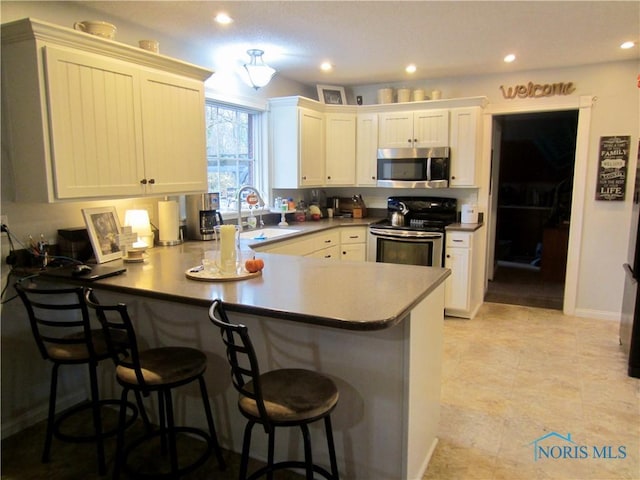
column 266, row 233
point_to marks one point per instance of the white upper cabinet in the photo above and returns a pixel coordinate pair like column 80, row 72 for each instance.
column 425, row 128
column 174, row 133
column 95, row 125
column 340, row 165
column 88, row 118
column 367, row 149
column 466, row 146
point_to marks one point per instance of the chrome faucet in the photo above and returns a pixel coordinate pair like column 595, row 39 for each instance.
column 239, row 202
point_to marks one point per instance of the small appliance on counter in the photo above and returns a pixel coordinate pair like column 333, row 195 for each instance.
column 469, row 213
column 203, row 216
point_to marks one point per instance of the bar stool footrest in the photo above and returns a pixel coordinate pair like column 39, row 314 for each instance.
column 288, row 465
column 181, row 471
column 88, row 406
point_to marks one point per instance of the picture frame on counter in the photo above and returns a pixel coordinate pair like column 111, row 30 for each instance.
column 331, row 95
column 103, row 227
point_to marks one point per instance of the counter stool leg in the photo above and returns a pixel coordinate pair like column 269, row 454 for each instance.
column 246, row 443
column 173, row 448
column 52, row 413
column 331, row 446
column 272, row 443
column 122, row 420
column 97, row 420
column 308, row 457
column 212, row 428
column 163, row 426
column 143, row 412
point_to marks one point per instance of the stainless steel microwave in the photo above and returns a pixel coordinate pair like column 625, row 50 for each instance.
column 413, row 167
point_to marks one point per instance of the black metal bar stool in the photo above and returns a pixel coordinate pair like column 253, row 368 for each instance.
column 156, row 370
column 287, row 397
column 60, row 325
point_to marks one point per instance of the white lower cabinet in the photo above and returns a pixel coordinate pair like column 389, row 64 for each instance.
column 330, row 244
column 463, row 288
column 353, row 244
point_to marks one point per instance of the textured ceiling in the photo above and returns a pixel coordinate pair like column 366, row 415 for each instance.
column 372, row 42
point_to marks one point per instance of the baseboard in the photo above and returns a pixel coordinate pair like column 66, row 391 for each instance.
column 597, row 314
column 37, row 414
column 425, row 464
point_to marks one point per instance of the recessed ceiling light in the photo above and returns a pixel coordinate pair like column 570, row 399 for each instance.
column 509, row 58
column 326, row 66
column 627, row 45
column 223, row 18
column 410, row 68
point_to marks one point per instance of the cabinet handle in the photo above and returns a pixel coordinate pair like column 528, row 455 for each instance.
column 327, row 256
column 415, row 140
column 354, row 236
column 327, row 241
column 409, row 140
column 328, row 177
column 344, row 253
column 458, row 241
column 453, row 177
column 143, row 181
column 304, row 178
column 152, row 181
column 373, row 178
column 448, row 256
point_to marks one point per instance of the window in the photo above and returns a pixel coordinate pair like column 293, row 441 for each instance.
column 232, row 143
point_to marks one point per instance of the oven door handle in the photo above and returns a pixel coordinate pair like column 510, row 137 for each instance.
column 405, row 235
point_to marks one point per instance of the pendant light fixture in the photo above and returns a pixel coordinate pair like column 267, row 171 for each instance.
column 259, row 73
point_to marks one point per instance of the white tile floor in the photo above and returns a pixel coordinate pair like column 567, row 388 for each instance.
column 514, row 374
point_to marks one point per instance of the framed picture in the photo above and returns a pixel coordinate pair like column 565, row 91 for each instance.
column 332, row 95
column 103, row 227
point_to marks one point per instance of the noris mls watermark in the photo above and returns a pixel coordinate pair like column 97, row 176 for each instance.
column 555, row 446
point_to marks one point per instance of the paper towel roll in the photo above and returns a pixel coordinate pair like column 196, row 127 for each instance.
column 168, row 221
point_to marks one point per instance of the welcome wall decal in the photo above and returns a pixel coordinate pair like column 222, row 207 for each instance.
column 537, row 90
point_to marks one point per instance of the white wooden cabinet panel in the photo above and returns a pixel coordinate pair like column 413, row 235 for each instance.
column 395, row 130
column 464, row 287
column 174, row 133
column 312, row 155
column 424, row 128
column 457, row 285
column 466, row 146
column 95, row 122
column 367, row 149
column 340, row 165
column 431, row 128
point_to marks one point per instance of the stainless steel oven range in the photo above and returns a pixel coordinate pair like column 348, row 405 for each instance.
column 413, row 232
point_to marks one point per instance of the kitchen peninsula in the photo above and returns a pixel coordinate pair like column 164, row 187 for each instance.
column 376, row 329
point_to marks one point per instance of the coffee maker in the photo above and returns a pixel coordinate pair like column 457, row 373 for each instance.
column 203, row 216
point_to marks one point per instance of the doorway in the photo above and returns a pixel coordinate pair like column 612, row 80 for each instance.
column 534, row 155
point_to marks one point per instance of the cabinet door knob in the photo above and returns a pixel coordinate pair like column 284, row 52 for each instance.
column 453, row 177
column 328, row 177
column 373, row 178
column 143, row 181
column 152, row 181
column 415, row 140
column 448, row 256
column 304, row 178
column 409, row 140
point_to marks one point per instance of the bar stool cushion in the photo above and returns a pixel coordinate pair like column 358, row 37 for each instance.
column 292, row 395
column 79, row 351
column 165, row 365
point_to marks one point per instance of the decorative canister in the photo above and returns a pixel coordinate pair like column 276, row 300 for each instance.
column 385, row 95
column 418, row 95
column 404, row 95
